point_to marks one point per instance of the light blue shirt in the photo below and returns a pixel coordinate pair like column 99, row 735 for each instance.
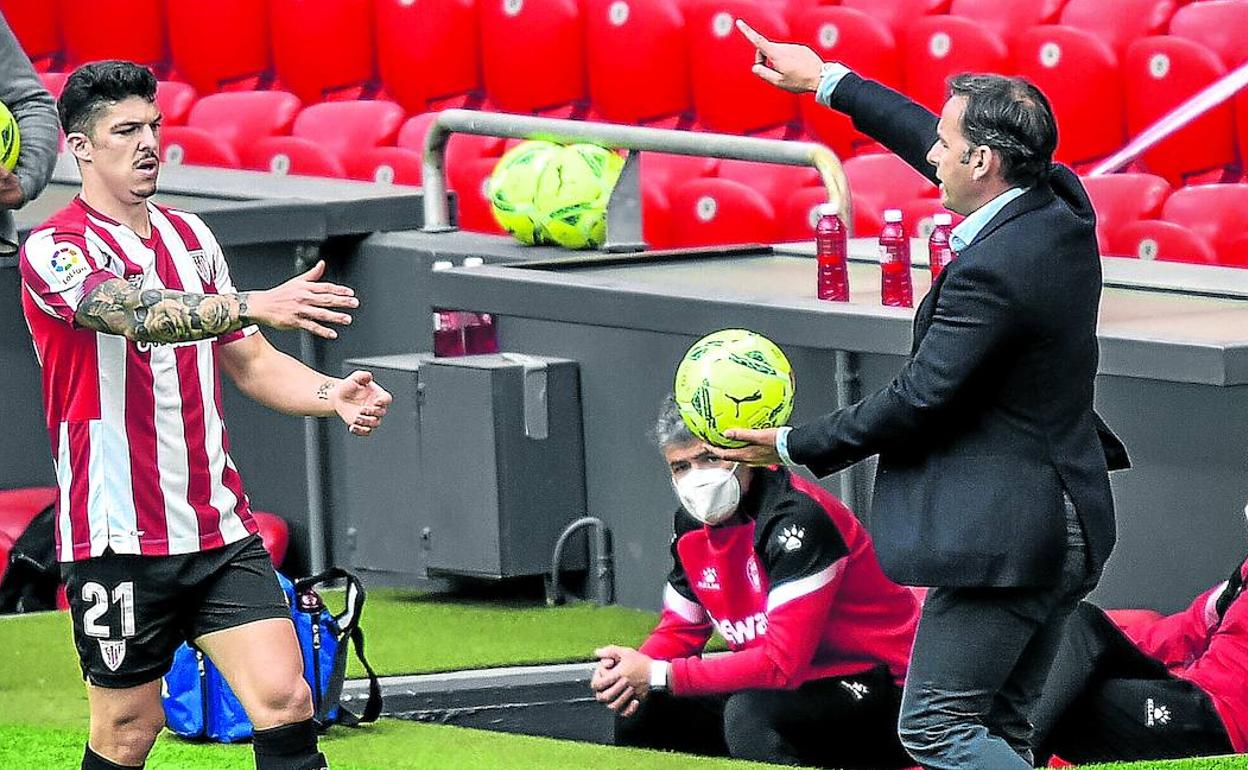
column 962, row 235
column 959, row 238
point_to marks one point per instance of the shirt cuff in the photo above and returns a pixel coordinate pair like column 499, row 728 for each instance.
column 782, row 444
column 829, row 79
column 659, row 674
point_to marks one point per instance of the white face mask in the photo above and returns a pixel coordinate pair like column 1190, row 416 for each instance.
column 710, row 494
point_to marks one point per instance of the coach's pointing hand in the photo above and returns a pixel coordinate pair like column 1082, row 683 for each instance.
column 304, row 302
column 790, row 66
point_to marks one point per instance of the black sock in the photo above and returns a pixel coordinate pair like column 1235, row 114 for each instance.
column 289, row 747
column 93, row 761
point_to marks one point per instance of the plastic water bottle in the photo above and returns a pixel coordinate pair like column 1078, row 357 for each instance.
column 830, row 249
column 896, row 289
column 939, row 253
column 480, row 335
column 448, row 325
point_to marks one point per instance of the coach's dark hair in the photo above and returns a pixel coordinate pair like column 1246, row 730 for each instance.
column 1014, row 118
column 93, row 87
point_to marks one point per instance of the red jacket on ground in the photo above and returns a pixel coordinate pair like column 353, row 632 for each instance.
column 1209, row 648
column 792, row 585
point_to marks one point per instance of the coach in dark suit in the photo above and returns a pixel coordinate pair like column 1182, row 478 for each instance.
column 992, row 484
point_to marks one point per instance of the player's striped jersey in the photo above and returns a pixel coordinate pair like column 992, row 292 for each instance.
column 138, row 438
column 793, row 587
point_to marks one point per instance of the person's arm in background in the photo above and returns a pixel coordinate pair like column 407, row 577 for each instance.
column 903, row 126
column 35, row 111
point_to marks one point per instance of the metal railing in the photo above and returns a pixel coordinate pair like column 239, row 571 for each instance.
column 624, row 215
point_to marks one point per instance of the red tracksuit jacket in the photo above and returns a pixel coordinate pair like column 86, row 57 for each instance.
column 796, row 592
column 1209, row 649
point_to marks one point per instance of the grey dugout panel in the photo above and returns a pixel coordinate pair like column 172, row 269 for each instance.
column 477, row 471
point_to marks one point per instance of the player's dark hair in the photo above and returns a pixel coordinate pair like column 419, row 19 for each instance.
column 669, row 427
column 1014, row 118
column 93, row 87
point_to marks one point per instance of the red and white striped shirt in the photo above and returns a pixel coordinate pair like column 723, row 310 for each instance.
column 138, row 438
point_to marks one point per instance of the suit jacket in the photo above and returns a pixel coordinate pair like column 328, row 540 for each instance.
column 991, row 419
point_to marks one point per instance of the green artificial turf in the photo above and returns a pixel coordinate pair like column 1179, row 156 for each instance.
column 43, row 709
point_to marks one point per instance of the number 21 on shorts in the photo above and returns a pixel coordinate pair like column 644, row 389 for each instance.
column 97, row 596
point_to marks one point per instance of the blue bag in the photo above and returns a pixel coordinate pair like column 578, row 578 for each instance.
column 200, row 704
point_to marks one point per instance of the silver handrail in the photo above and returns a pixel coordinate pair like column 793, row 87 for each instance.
column 624, row 209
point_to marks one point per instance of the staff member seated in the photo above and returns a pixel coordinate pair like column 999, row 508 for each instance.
column 819, row 638
column 1163, row 689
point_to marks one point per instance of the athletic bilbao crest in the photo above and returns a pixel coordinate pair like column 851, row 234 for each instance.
column 201, row 265
column 113, row 653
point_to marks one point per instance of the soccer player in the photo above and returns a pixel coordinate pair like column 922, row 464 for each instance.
column 132, row 309
column 819, row 638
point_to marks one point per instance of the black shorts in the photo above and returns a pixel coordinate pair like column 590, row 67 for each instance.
column 131, row 612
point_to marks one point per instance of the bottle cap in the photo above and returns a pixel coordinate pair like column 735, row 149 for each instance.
column 892, row 215
column 828, row 210
column 942, row 218
column 443, row 264
column 473, row 261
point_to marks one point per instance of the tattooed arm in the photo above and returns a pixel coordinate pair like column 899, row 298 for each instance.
column 270, row 377
column 164, row 315
column 160, row 315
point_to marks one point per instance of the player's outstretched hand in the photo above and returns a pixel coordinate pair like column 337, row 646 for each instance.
column 360, row 402
column 761, row 449
column 789, row 66
column 304, row 302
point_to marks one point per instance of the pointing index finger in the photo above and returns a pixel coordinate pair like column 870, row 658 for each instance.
column 757, row 40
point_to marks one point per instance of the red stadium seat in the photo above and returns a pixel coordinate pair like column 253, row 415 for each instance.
column 799, row 215
column 118, row 29
column 1219, row 25
column 190, row 146
column 1218, row 213
column 533, row 53
column 18, row 506
column 295, row 155
column 940, row 46
column 1120, row 199
column 897, row 15
column 460, row 148
column 468, row 182
column 1007, row 18
column 1162, row 241
column 1121, row 22
column 37, row 27
column 635, row 42
column 885, row 182
column 341, row 127
column 862, row 43
column 224, row 42
column 670, row 170
column 656, row 210
column 244, row 117
column 427, row 50
column 727, row 96
column 384, row 165
column 708, row 212
column 1161, row 73
column 917, row 215
column 54, row 82
column 776, row 182
column 275, row 535
column 868, row 220
column 175, row 100
column 322, row 47
column 1079, row 74
column 1241, row 123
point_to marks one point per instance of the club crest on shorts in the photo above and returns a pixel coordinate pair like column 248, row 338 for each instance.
column 201, row 265
column 113, row 653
